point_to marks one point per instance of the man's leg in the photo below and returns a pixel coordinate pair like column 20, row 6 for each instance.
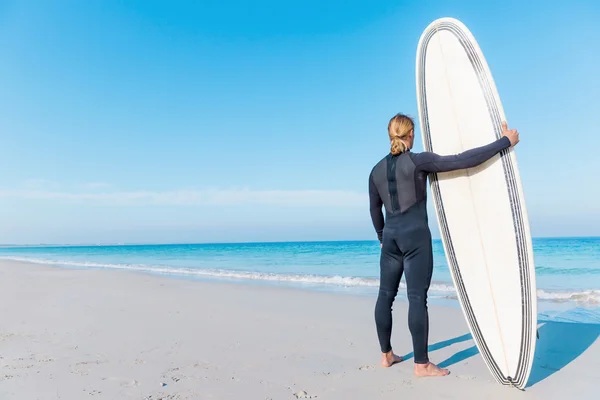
column 391, row 268
column 419, row 268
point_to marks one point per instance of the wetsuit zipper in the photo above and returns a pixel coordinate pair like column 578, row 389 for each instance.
column 392, row 182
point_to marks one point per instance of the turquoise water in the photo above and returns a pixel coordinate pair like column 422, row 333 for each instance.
column 567, row 269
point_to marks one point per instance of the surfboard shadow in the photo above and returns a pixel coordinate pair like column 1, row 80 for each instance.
column 442, row 344
column 459, row 357
column 560, row 343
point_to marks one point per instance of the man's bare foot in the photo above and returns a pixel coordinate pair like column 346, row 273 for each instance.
column 388, row 359
column 430, row 369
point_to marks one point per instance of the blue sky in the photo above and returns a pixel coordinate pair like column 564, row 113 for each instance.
column 148, row 121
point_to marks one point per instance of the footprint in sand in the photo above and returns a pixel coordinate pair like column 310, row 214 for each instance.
column 130, row 383
column 42, row 359
column 366, row 367
column 303, row 395
column 20, row 365
column 163, row 396
column 174, row 375
column 206, row 365
column 124, row 382
column 5, row 336
column 81, row 368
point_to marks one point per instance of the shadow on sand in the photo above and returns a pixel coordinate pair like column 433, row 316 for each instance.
column 459, row 357
column 441, row 345
column 559, row 344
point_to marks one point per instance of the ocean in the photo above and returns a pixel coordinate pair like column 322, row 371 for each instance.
column 567, row 269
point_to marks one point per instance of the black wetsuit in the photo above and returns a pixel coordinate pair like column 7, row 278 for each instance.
column 399, row 183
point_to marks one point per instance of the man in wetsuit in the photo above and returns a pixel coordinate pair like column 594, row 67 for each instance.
column 398, row 182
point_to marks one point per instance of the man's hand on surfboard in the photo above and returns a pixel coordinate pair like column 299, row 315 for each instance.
column 511, row 134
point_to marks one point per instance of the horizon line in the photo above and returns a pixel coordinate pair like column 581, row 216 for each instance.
column 117, row 244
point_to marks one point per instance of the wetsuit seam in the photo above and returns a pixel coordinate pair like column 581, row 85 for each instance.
column 376, row 202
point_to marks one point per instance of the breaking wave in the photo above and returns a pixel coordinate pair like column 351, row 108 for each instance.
column 589, row 296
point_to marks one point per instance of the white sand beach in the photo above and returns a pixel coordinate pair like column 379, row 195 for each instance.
column 100, row 334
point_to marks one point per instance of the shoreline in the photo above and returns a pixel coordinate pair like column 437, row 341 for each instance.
column 551, row 302
column 69, row 333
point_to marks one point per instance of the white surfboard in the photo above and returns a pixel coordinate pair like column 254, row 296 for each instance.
column 481, row 211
